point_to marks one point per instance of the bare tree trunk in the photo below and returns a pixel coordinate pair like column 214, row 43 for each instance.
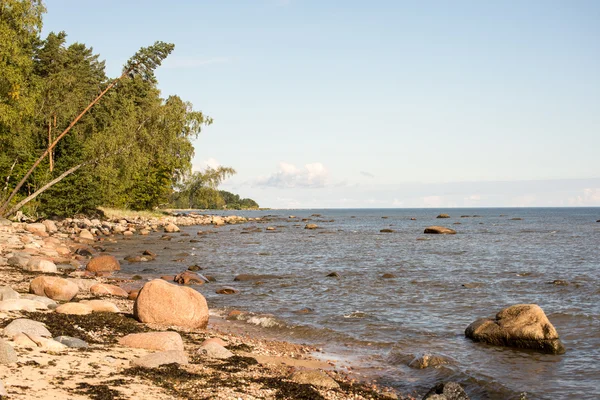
column 43, row 189
column 51, row 146
column 9, row 174
column 49, row 143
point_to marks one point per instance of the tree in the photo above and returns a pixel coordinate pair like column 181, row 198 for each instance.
column 141, row 65
column 199, row 189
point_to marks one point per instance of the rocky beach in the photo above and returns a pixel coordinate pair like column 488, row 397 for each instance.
column 72, row 330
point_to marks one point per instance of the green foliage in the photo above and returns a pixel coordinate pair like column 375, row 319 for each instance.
column 234, row 202
column 133, row 146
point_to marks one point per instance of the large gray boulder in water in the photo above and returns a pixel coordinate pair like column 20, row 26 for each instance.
column 446, row 391
column 522, row 325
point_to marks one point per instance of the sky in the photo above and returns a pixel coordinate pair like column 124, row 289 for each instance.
column 379, row 104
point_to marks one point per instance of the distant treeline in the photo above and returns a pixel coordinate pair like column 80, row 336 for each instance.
column 132, row 149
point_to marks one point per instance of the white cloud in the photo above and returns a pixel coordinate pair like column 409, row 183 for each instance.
column 313, row 175
column 589, row 197
column 208, row 163
column 432, row 201
column 187, row 62
column 367, row 174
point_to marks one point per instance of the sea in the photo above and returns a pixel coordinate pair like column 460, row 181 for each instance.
column 396, row 296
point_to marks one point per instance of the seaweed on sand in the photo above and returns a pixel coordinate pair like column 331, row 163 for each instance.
column 97, row 392
column 97, row 327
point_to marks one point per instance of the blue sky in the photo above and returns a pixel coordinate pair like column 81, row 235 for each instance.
column 379, row 103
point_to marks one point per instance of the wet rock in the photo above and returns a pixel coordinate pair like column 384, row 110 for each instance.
column 7, row 293
column 85, row 251
column 74, row 343
column 440, row 230
column 101, row 306
column 472, row 285
column 74, row 309
column 163, row 303
column 427, row 360
column 413, row 219
column 104, row 289
column 164, row 357
column 103, row 264
column 516, row 219
column 388, row 276
column 305, row 310
column 8, row 355
column 27, row 326
column 254, row 277
column 446, row 391
column 161, row 341
column 40, row 265
column 171, row 228
column 53, row 287
column 136, row 278
column 311, row 226
column 522, row 325
column 87, row 235
column 314, row 377
column 195, row 267
column 443, row 216
column 149, row 253
column 559, row 282
column 190, row 278
column 386, row 230
column 214, row 350
column 227, row 290
column 21, row 305
column 333, row 275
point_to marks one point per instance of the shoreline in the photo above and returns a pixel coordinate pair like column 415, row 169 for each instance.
column 260, row 368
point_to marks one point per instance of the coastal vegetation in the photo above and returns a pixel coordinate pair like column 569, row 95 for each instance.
column 72, row 139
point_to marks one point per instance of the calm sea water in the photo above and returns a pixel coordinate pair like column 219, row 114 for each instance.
column 382, row 324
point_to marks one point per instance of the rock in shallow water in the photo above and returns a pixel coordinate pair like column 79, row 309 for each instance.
column 446, row 391
column 440, row 230
column 522, row 325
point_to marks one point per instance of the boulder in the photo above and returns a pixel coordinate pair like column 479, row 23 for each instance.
column 216, row 340
column 18, row 261
column 314, row 377
column 162, row 341
column 190, row 278
column 311, row 226
column 440, row 230
column 101, row 306
column 108, row 290
column 40, row 265
column 133, row 294
column 38, row 341
column 171, row 228
column 86, row 235
column 42, row 299
column 74, row 309
column 27, row 326
column 164, row 357
column 21, row 305
column 164, row 303
column 50, row 226
column 53, row 287
column 103, row 264
column 214, row 350
column 443, row 216
column 74, row 343
column 7, row 293
column 427, row 360
column 522, row 325
column 386, row 230
column 8, row 355
column 227, row 290
column 446, row 391
column 36, row 228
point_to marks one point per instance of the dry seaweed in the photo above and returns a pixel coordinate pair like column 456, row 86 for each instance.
column 97, row 327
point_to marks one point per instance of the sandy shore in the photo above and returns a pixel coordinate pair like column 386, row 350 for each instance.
column 258, row 369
